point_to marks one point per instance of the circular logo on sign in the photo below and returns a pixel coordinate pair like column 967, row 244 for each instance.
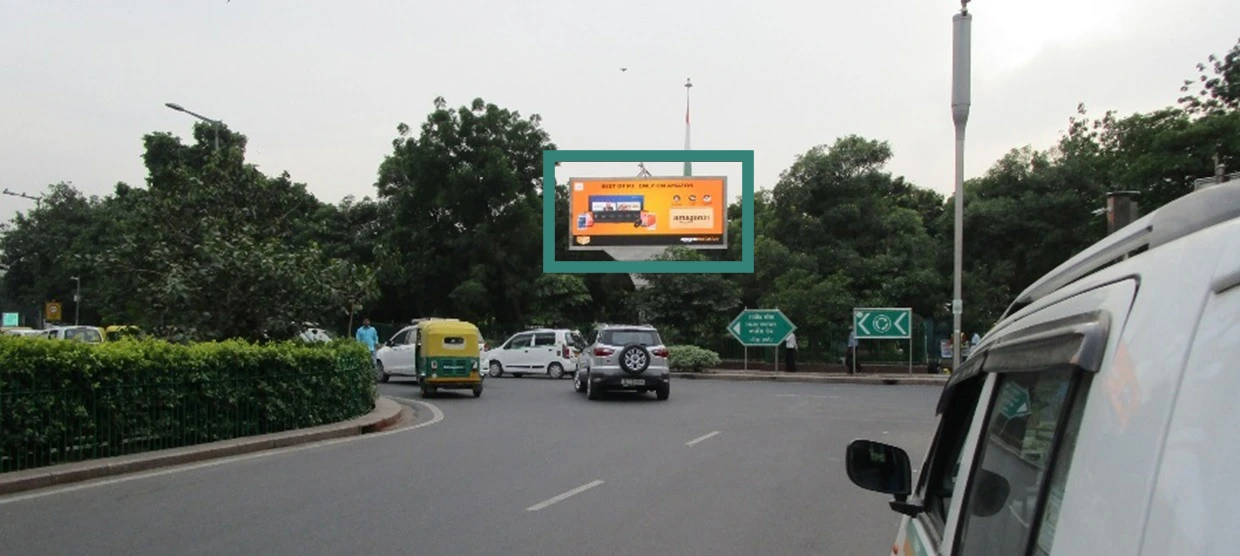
column 882, row 323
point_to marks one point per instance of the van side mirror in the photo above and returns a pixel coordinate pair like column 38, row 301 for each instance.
column 879, row 467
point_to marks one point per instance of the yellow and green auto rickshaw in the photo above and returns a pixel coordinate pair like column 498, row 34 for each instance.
column 116, row 332
column 447, row 356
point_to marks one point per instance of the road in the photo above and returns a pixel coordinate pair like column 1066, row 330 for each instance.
column 722, row 468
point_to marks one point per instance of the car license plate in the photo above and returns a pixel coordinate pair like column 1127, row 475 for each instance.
column 632, row 382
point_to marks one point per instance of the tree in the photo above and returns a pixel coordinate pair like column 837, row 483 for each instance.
column 466, row 199
column 1219, row 92
column 687, row 307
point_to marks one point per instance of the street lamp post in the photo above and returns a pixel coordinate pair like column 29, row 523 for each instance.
column 216, row 124
column 38, row 199
column 961, row 24
column 77, row 300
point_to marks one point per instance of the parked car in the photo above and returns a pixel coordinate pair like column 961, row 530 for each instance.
column 624, row 357
column 88, row 334
column 549, row 351
column 1098, row 416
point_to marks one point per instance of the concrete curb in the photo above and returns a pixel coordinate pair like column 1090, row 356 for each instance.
column 932, row 380
column 386, row 413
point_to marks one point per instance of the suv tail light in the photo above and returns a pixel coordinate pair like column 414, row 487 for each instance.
column 659, row 352
column 603, row 351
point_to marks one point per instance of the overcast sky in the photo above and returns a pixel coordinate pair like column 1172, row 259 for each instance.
column 319, row 87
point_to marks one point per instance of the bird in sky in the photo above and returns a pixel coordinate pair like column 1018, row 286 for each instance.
column 624, row 69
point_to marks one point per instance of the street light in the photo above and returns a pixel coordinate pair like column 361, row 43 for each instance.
column 216, row 124
column 961, row 23
column 77, row 300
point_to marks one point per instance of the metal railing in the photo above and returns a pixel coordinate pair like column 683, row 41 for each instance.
column 41, row 427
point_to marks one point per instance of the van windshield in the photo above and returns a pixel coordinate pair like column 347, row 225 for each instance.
column 624, row 337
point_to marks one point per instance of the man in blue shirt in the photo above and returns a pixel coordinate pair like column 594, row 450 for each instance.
column 850, row 360
column 367, row 335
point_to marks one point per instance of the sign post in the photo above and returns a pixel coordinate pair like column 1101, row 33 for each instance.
column 51, row 311
column 761, row 328
column 885, row 324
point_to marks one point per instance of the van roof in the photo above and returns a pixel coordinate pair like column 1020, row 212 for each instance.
column 1180, row 218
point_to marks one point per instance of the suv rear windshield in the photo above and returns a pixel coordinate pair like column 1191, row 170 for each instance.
column 624, row 337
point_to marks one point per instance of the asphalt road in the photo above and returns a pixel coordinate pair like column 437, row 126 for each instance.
column 722, row 468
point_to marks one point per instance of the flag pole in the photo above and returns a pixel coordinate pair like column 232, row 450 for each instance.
column 688, row 165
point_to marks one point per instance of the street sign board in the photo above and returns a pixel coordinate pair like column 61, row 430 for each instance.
column 761, row 327
column 883, row 324
column 11, row 319
column 52, row 311
column 1014, row 401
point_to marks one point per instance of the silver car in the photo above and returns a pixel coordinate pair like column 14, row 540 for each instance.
column 623, row 357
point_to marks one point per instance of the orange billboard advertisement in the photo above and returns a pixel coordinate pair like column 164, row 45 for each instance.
column 648, row 211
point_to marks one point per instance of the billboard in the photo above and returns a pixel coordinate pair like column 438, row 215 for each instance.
column 648, row 212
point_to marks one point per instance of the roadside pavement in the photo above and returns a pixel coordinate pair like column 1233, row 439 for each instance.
column 385, row 414
column 817, row 377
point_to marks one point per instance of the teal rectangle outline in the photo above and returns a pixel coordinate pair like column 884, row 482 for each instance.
column 743, row 266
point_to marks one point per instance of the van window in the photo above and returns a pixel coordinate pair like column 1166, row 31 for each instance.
column 939, row 477
column 1024, row 421
column 544, row 339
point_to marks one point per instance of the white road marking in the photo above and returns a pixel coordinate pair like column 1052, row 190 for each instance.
column 564, row 496
column 437, row 416
column 807, row 396
column 700, row 438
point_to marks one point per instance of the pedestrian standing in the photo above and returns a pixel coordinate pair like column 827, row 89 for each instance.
column 790, row 352
column 366, row 334
column 850, row 359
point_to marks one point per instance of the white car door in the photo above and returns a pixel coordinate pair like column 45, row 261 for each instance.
column 543, row 351
column 515, row 355
column 401, row 352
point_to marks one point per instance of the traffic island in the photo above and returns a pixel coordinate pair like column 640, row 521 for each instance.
column 385, row 414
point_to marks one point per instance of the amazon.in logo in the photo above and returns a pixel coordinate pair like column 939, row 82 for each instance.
column 684, row 218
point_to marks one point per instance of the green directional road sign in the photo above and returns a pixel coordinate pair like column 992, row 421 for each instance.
column 11, row 319
column 883, row 324
column 761, row 327
column 1014, row 401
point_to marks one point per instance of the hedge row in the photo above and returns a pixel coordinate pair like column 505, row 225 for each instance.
column 63, row 401
column 692, row 358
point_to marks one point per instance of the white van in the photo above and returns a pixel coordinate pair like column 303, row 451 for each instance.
column 1099, row 416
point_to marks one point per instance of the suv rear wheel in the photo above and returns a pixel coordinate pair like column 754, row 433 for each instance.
column 663, row 392
column 634, row 359
column 592, row 392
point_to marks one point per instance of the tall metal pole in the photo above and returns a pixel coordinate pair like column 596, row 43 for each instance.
column 77, row 300
column 688, row 165
column 961, row 24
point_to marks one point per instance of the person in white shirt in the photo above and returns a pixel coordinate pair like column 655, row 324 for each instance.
column 790, row 352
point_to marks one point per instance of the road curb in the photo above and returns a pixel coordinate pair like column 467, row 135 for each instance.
column 818, row 379
column 386, row 413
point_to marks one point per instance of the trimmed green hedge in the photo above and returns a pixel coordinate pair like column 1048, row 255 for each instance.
column 692, row 358
column 63, row 401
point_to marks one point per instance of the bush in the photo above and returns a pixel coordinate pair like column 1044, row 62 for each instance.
column 64, row 401
column 692, row 358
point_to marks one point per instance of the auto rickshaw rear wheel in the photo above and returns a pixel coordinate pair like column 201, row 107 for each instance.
column 478, row 391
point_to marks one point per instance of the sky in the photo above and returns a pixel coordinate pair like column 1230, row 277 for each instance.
column 319, row 87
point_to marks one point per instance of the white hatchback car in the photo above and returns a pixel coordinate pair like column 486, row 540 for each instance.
column 1099, row 415
column 549, row 351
